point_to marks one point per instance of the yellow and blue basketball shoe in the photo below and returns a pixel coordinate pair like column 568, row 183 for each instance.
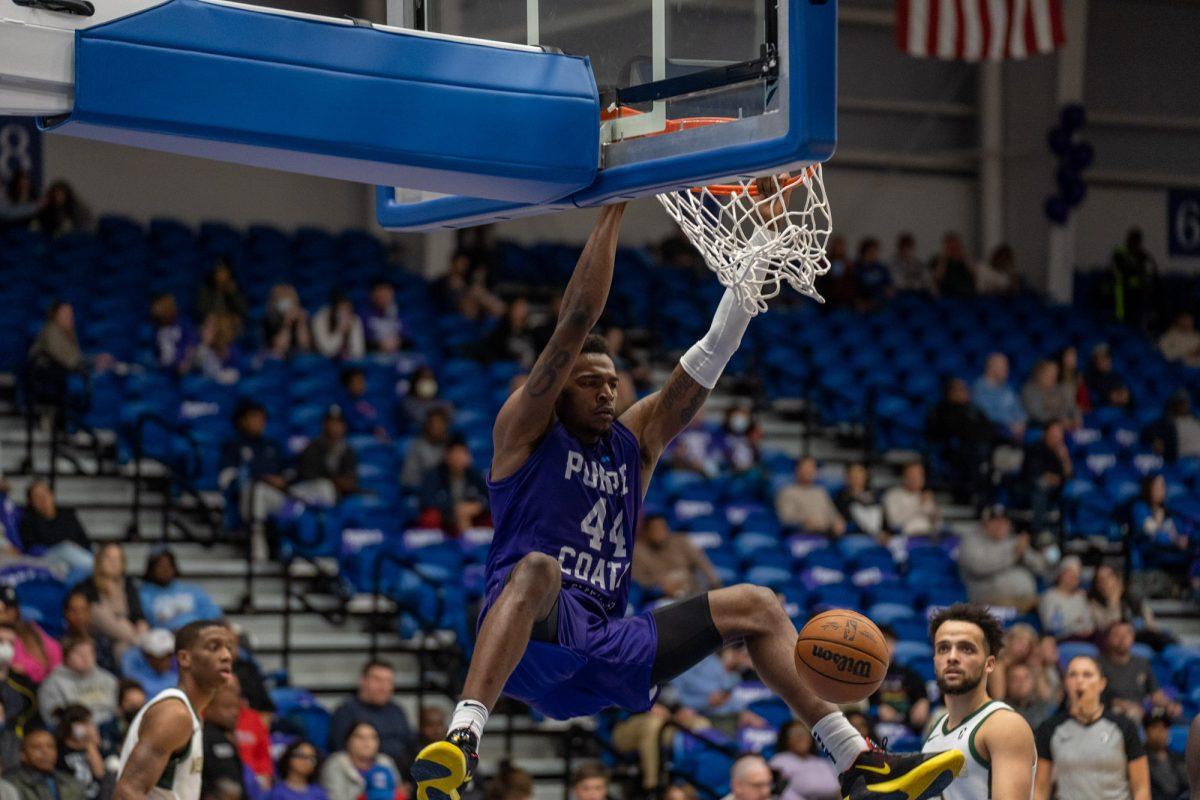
column 444, row 767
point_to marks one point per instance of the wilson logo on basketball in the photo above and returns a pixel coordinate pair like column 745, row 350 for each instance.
column 857, row 667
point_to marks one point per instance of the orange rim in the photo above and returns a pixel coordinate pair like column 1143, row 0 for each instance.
column 683, row 123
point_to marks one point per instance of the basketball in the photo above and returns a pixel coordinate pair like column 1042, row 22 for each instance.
column 842, row 656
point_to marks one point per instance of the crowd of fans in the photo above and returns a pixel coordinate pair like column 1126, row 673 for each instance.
column 1000, row 447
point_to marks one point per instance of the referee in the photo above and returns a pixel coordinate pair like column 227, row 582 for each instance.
column 1087, row 751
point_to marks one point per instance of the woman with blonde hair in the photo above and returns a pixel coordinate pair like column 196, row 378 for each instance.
column 116, row 604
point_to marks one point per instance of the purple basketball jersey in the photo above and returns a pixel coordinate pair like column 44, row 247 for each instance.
column 578, row 503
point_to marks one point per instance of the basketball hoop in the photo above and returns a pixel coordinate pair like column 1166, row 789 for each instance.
column 746, row 230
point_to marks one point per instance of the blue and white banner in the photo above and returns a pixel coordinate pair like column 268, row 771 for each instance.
column 1183, row 222
column 20, row 148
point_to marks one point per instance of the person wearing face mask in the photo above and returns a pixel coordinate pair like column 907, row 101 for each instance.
column 422, row 397
column 79, row 750
column 1087, row 751
column 78, row 682
column 35, row 654
column 285, row 326
column 381, row 319
column 739, row 442
column 18, row 699
column 130, row 699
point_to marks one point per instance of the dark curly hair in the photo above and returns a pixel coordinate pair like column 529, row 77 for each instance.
column 977, row 615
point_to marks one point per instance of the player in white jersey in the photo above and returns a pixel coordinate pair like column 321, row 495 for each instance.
column 1001, row 758
column 163, row 752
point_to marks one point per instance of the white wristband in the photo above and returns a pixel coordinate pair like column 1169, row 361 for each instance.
column 706, row 359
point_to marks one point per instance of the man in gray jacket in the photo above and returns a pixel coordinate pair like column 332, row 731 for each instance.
column 79, row 681
column 998, row 567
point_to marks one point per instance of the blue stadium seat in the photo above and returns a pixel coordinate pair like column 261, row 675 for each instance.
column 1070, row 650
column 910, row 651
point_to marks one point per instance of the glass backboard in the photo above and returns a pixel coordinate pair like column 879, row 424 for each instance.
column 762, row 71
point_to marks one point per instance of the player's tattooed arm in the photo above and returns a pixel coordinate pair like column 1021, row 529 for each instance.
column 165, row 729
column 529, row 411
column 658, row 418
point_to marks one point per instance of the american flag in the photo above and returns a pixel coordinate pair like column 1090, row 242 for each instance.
column 975, row 30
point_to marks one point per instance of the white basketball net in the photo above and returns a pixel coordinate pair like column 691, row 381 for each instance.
column 750, row 237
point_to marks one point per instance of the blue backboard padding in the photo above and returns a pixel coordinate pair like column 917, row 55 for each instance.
column 811, row 136
column 341, row 101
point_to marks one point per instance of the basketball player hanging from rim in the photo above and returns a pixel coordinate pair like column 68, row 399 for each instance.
column 1001, row 758
column 566, row 486
column 163, row 751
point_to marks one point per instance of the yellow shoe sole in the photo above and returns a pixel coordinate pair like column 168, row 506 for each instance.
column 439, row 771
column 928, row 779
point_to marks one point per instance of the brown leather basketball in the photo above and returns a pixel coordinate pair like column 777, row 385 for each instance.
column 842, row 656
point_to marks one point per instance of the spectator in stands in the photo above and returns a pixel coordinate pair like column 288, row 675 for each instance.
column 381, row 319
column 55, row 353
column 669, row 563
column 422, row 396
column 1047, row 468
column 512, row 339
column 900, row 699
column 218, row 356
column 1177, row 433
column 750, row 779
column 130, row 699
column 116, row 601
column 327, row 468
column 285, row 325
column 643, row 734
column 253, row 740
column 998, row 275
column 1106, row 387
column 78, row 744
column 61, row 211
column 251, row 472
column 509, row 783
column 298, row 769
column 464, row 288
column 589, row 781
column 1131, row 682
column 1021, row 693
column 362, row 416
column 1153, row 521
column 1046, row 400
column 18, row 698
column 455, row 490
column 222, row 765
column 1111, row 602
column 426, row 451
column 219, row 294
column 952, row 270
column 1086, row 751
column 1020, row 647
column 175, row 338
column 53, row 531
column 858, row 503
column 1063, row 609
column 737, row 446
column 431, row 725
column 360, row 771
column 998, row 401
column 806, row 504
column 1133, row 271
column 35, row 654
column 1048, row 670
column 1071, row 379
column 808, row 775
column 997, row 567
column 78, row 681
column 38, row 778
column 962, row 437
column 1181, row 342
column 909, row 271
column 338, row 329
column 19, row 202
column 872, row 279
column 838, row 283
column 77, row 614
column 910, row 508
column 374, row 705
column 1168, row 773
column 169, row 602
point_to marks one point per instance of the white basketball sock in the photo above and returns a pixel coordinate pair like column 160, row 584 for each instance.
column 469, row 714
column 840, row 740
